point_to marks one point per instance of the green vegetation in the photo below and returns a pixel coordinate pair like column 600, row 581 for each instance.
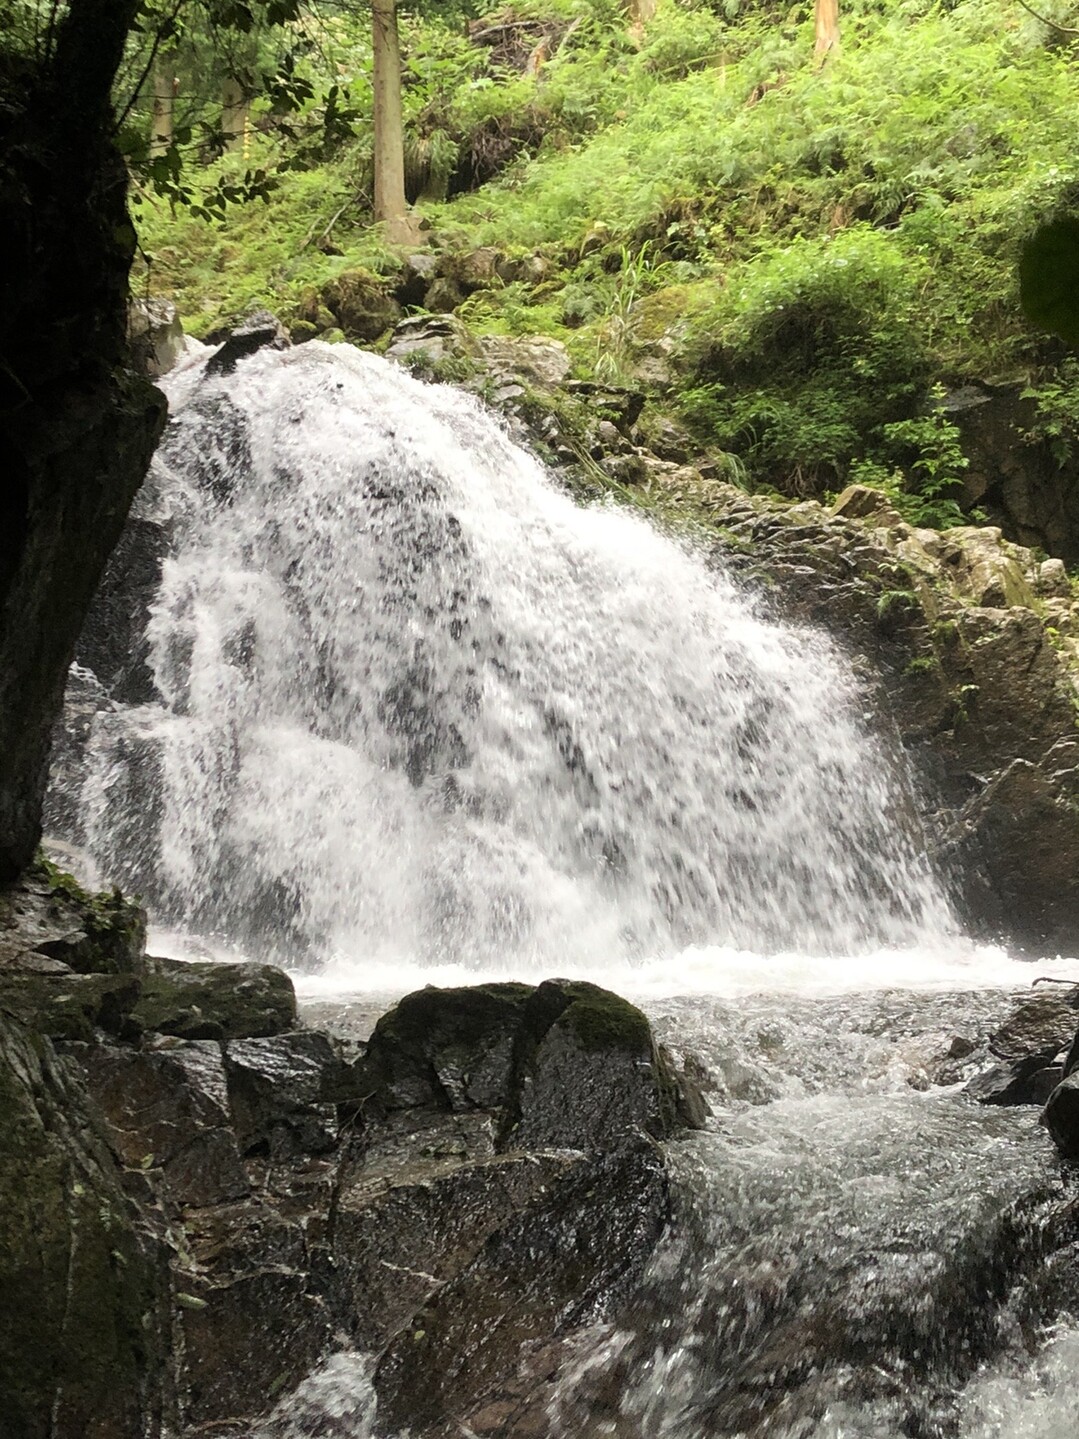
column 789, row 257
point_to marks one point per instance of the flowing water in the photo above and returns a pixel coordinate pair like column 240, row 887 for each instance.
column 419, row 717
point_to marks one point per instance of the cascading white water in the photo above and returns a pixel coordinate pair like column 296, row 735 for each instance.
column 418, row 707
column 416, row 703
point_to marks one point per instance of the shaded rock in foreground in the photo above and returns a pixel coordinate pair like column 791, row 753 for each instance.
column 83, row 1321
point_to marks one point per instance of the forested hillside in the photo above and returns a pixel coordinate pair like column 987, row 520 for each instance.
column 796, row 255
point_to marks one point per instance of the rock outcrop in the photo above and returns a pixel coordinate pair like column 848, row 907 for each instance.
column 77, row 424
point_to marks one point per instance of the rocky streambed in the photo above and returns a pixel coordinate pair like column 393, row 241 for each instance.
column 202, row 1199
column 509, row 1209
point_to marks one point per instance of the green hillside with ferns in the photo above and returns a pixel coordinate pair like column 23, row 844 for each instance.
column 793, row 256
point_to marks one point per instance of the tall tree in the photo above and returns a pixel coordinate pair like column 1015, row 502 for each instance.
column 826, row 24
column 391, row 207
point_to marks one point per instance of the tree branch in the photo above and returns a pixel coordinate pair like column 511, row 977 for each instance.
column 1049, row 24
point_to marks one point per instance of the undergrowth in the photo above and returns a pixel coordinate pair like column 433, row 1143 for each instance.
column 802, row 251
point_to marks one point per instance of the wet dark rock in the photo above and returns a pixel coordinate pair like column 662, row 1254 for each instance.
column 83, row 1323
column 420, row 1229
column 157, row 1101
column 283, row 1093
column 403, row 1229
column 1061, row 1117
column 64, row 1005
column 197, row 1000
column 1025, row 1047
column 451, row 1048
column 566, row 1064
column 1039, row 1029
column 253, row 1319
column 563, row 1260
column 258, row 332
column 589, row 1073
column 1021, row 1082
column 206, row 1171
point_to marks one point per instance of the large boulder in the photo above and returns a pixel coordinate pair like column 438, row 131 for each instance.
column 565, row 1064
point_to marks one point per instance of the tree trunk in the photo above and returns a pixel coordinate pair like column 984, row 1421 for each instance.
column 639, row 13
column 164, row 91
column 826, row 20
column 391, row 208
column 234, row 110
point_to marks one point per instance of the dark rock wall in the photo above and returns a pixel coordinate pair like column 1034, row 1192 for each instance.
column 76, row 427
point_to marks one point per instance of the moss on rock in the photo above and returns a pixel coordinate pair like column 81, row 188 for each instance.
column 48, row 912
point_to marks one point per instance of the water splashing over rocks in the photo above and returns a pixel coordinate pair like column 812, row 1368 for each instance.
column 413, row 702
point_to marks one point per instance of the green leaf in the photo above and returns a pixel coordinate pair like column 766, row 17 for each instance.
column 1049, row 278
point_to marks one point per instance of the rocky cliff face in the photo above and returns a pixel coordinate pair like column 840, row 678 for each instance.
column 77, row 428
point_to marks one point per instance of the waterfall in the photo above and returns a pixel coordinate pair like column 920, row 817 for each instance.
column 414, row 703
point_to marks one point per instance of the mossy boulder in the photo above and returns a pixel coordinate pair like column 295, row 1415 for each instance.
column 48, row 913
column 82, row 1341
column 361, row 305
column 589, row 1074
column 565, row 1064
column 194, row 1000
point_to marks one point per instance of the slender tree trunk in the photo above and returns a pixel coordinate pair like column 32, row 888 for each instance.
column 639, row 13
column 234, row 109
column 164, row 91
column 826, row 19
column 391, row 208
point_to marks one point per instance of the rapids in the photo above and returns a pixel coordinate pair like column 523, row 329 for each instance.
column 419, row 717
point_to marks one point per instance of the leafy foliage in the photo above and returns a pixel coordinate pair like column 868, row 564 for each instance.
column 805, row 251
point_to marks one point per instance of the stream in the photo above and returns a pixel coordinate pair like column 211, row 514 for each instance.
column 417, row 717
